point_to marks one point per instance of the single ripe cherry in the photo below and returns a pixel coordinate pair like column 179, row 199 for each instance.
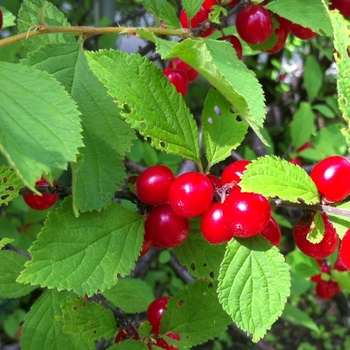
column 302, row 32
column 254, row 24
column 344, row 250
column 155, row 312
column 327, row 289
column 191, row 194
column 213, row 225
column 165, row 228
column 234, row 171
column 246, row 214
column 343, row 6
column 177, row 64
column 236, row 44
column 272, row 232
column 281, row 33
column 43, row 202
column 178, row 79
column 127, row 333
column 201, row 16
column 330, row 177
column 339, row 265
column 321, row 250
column 153, row 185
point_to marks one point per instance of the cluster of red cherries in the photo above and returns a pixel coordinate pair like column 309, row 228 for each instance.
column 154, row 316
column 254, row 24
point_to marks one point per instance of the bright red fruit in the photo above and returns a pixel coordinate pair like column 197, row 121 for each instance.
column 327, row 289
column 164, row 345
column 296, row 161
column 321, row 250
column 342, row 5
column 246, row 214
column 324, row 268
column 213, row 225
column 234, row 171
column 302, row 32
column 254, row 24
column 339, row 265
column 126, row 334
column 166, row 228
column 191, row 194
column 45, row 201
column 281, row 33
column 155, row 312
column 330, row 177
column 152, row 186
column 146, row 246
column 177, row 64
column 272, row 232
column 201, row 16
column 236, row 44
column 344, row 250
column 208, row 4
column 215, row 181
column 178, row 79
column 1, row 19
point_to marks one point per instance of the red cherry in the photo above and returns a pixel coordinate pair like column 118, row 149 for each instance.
column 344, row 250
column 246, row 214
column 281, row 33
column 201, row 16
column 327, row 289
column 215, row 181
column 329, row 175
column 191, row 194
column 127, row 333
column 339, row 265
column 152, row 186
column 342, row 5
column 324, row 268
column 236, row 44
column 321, row 250
column 208, row 4
column 146, row 246
column 302, row 32
column 213, row 225
column 296, row 161
column 1, row 19
column 177, row 64
column 272, row 232
column 45, row 201
column 254, row 24
column 234, row 171
column 178, row 79
column 155, row 312
column 166, row 228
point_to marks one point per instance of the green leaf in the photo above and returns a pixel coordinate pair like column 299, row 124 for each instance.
column 88, row 321
column 272, row 176
column 310, row 14
column 254, row 284
column 11, row 264
column 199, row 317
column 7, row 17
column 131, row 295
column 129, row 344
column 201, row 258
column 150, row 103
column 105, row 133
column 341, row 223
column 313, row 76
column 42, row 330
column 303, row 125
column 316, row 234
column 164, row 11
column 191, row 7
column 324, row 110
column 37, row 12
column 302, row 265
column 38, row 111
column 222, row 132
column 343, row 279
column 217, row 61
column 4, row 241
column 299, row 318
column 10, row 184
column 86, row 253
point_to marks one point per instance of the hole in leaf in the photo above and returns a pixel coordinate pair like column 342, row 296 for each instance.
column 212, row 274
column 162, row 144
column 126, row 109
column 95, row 331
column 75, row 308
column 232, row 110
column 205, row 265
column 210, row 121
column 143, row 125
column 11, row 188
column 193, row 267
column 217, row 111
column 181, row 303
column 5, row 196
column 210, row 285
column 239, row 119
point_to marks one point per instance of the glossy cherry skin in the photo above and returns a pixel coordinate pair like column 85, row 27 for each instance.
column 302, row 32
column 208, row 4
column 339, row 265
column 166, row 228
column 272, row 232
column 344, row 250
column 254, row 24
column 191, row 194
column 155, row 312
column 246, row 214
column 321, row 250
column 327, row 289
column 213, row 225
column 234, row 171
column 153, row 185
column 43, row 202
column 236, row 44
column 201, row 16
column 343, row 6
column 215, row 181
column 178, row 79
column 177, row 64
column 281, row 33
column 330, row 177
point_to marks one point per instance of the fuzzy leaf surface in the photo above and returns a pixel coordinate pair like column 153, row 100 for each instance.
column 200, row 316
column 275, row 177
column 164, row 11
column 11, row 264
column 105, row 133
column 131, row 295
column 10, row 184
column 201, row 258
column 88, row 321
column 35, row 109
column 149, row 102
column 316, row 234
column 217, row 61
column 341, row 223
column 36, row 12
column 4, row 241
column 8, row 18
column 254, row 284
column 86, row 253
column 222, row 132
